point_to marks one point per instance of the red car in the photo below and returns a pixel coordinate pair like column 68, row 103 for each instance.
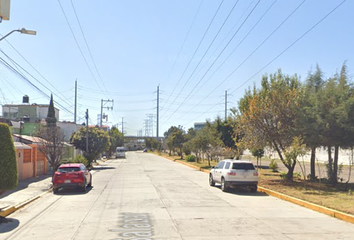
column 72, row 175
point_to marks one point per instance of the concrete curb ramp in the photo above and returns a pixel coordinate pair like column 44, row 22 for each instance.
column 333, row 213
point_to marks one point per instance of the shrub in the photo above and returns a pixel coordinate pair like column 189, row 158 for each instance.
column 191, row 158
column 283, row 175
column 8, row 162
column 297, row 175
column 77, row 159
column 273, row 165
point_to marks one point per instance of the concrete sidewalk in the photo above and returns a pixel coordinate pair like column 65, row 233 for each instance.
column 26, row 190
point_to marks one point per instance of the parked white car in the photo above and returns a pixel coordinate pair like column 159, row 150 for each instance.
column 232, row 173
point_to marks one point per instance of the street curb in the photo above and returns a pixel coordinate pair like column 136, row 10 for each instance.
column 7, row 211
column 331, row 212
column 318, row 208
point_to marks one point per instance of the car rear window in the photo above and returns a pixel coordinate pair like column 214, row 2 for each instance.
column 243, row 166
column 69, row 169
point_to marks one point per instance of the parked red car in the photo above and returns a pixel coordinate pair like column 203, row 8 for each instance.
column 72, row 175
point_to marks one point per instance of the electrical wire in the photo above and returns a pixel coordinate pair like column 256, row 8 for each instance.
column 218, row 56
column 202, row 39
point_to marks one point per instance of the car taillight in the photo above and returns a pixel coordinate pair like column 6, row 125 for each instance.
column 255, row 174
column 231, row 173
column 58, row 174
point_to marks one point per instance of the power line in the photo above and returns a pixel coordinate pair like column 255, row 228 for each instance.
column 292, row 44
column 78, row 46
column 217, row 56
column 200, row 42
column 282, row 52
column 180, row 50
column 259, row 20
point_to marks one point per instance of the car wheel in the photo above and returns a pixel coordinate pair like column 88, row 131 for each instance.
column 90, row 184
column 55, row 190
column 211, row 180
column 253, row 188
column 224, row 186
column 83, row 188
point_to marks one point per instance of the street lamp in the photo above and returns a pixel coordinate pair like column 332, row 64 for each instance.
column 22, row 30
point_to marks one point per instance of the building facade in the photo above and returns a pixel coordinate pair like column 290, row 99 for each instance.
column 29, row 113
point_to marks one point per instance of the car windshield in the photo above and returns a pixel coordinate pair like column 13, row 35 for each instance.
column 244, row 166
column 69, row 169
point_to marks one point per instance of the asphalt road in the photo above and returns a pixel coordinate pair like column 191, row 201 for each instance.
column 148, row 197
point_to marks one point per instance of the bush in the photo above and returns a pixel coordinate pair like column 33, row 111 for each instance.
column 78, row 159
column 273, row 165
column 8, row 162
column 191, row 158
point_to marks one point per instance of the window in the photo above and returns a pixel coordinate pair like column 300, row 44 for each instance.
column 220, row 165
column 27, row 155
column 227, row 166
column 69, row 169
column 243, row 166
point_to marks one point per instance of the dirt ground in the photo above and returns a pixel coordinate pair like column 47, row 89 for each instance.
column 321, row 171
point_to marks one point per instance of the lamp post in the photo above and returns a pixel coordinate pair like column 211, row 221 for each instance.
column 22, row 30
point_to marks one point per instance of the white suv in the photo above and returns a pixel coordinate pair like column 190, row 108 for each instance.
column 231, row 173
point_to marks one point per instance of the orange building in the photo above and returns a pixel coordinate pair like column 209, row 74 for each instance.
column 31, row 162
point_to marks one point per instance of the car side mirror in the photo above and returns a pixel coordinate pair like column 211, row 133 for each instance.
column 213, row 167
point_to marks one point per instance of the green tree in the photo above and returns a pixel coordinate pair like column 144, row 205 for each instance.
column 308, row 115
column 98, row 142
column 336, row 117
column 207, row 141
column 267, row 115
column 116, row 139
column 8, row 164
column 175, row 137
column 258, row 153
column 51, row 119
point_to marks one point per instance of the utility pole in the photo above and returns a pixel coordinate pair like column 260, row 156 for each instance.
column 122, row 125
column 225, row 106
column 157, row 113
column 87, row 117
column 103, row 103
column 75, row 110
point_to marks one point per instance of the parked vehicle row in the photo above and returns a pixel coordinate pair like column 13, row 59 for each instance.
column 233, row 173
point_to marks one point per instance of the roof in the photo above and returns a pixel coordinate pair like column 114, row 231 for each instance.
column 29, row 138
column 19, row 145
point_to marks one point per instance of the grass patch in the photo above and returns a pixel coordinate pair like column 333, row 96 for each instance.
column 340, row 197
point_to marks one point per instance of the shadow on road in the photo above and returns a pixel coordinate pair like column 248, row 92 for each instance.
column 72, row 191
column 102, row 168
column 243, row 191
column 8, row 224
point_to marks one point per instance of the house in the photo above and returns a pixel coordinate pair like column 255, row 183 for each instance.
column 29, row 113
column 25, row 161
column 34, row 162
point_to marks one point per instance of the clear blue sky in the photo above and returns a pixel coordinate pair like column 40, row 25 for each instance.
column 137, row 45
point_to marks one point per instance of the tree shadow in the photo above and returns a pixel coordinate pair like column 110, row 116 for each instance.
column 102, row 168
column 8, row 224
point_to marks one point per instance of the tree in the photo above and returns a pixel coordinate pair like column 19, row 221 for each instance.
column 116, row 139
column 8, row 164
column 267, row 115
column 52, row 139
column 308, row 115
column 50, row 119
column 207, row 141
column 336, row 117
column 98, row 142
column 258, row 153
column 175, row 139
column 52, row 145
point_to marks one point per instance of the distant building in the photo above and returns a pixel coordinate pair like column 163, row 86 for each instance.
column 199, row 125
column 29, row 113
